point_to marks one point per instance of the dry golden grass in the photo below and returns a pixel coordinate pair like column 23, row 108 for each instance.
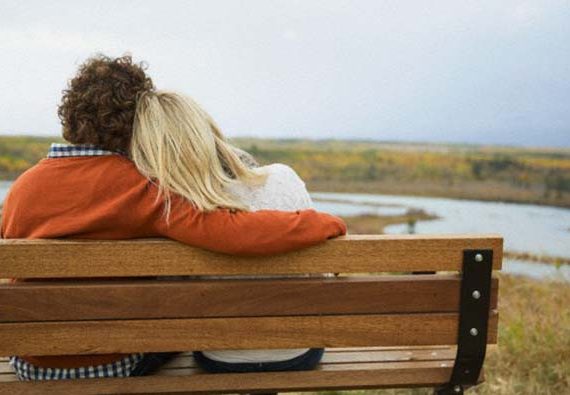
column 533, row 356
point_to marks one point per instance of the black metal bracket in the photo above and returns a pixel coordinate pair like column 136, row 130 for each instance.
column 474, row 312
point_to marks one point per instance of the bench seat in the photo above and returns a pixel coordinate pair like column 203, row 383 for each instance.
column 341, row 368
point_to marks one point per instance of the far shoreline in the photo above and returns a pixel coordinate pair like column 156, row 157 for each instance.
column 393, row 192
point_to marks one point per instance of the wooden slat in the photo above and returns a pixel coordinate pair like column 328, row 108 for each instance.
column 389, row 356
column 89, row 337
column 6, row 378
column 183, row 371
column 331, row 357
column 366, row 349
column 336, row 350
column 349, row 254
column 227, row 298
column 363, row 376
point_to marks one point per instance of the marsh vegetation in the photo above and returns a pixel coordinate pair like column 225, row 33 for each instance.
column 525, row 175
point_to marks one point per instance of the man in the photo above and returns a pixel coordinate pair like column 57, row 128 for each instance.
column 91, row 190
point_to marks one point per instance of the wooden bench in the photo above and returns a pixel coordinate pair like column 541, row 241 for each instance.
column 382, row 325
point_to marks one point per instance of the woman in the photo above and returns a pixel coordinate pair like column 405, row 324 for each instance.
column 177, row 145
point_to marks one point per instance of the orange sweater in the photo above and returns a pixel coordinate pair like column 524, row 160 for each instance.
column 105, row 197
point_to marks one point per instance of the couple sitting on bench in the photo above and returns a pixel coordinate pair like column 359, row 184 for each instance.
column 145, row 163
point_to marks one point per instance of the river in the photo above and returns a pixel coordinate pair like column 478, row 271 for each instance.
column 538, row 230
column 525, row 228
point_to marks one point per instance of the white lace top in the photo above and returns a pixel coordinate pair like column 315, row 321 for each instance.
column 284, row 190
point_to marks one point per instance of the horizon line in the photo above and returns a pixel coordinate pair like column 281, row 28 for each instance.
column 349, row 139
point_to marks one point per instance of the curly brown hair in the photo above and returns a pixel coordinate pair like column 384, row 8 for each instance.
column 98, row 107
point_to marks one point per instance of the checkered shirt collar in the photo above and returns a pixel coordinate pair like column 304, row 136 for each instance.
column 65, row 150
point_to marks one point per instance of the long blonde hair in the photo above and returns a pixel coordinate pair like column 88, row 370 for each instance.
column 177, row 144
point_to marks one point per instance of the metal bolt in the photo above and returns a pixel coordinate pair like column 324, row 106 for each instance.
column 476, row 294
column 473, row 331
column 457, row 389
column 478, row 258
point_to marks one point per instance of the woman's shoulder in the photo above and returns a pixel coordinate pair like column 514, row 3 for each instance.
column 281, row 170
column 282, row 176
column 283, row 190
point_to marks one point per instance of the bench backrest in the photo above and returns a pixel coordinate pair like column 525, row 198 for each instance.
column 376, row 301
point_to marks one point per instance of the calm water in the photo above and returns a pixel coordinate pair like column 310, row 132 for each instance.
column 4, row 185
column 526, row 228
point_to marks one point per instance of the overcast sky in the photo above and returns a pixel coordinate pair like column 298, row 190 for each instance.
column 439, row 71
